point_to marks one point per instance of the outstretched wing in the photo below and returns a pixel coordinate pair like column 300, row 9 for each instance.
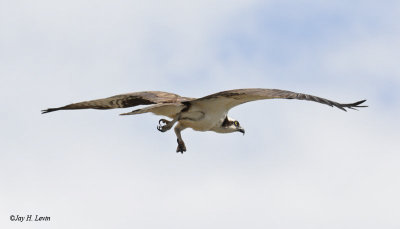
column 164, row 109
column 231, row 98
column 124, row 100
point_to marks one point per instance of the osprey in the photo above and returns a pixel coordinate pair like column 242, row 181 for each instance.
column 209, row 113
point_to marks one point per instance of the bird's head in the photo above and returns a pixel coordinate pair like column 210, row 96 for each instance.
column 229, row 125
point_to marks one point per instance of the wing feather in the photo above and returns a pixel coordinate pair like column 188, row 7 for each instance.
column 232, row 98
column 124, row 100
column 164, row 109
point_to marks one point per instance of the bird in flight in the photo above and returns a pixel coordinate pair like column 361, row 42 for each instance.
column 209, row 113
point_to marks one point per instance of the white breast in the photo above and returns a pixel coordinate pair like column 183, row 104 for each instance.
column 203, row 119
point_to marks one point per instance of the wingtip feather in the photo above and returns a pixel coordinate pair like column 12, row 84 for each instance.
column 352, row 106
column 49, row 110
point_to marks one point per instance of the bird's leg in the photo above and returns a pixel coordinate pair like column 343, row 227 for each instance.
column 168, row 124
column 181, row 145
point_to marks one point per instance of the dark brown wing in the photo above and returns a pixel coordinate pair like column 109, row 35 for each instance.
column 231, row 98
column 124, row 100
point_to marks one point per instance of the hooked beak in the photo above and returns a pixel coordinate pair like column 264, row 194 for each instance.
column 241, row 130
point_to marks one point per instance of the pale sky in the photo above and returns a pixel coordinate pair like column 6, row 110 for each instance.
column 300, row 164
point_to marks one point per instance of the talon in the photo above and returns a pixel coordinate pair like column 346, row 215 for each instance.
column 181, row 147
column 163, row 128
column 163, row 121
column 159, row 128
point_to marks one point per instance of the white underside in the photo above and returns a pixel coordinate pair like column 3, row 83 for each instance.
column 202, row 116
column 201, row 119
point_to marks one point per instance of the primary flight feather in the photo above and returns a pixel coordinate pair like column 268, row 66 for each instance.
column 208, row 113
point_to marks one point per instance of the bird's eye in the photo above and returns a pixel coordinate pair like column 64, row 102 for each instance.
column 236, row 123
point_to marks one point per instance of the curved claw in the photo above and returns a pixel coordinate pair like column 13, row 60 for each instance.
column 164, row 127
column 181, row 150
column 181, row 147
column 163, row 121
